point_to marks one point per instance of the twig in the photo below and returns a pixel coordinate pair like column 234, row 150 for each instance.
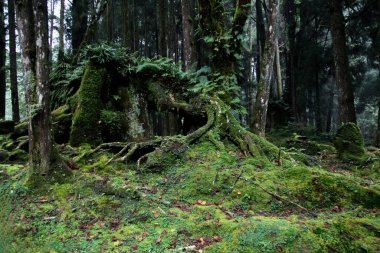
column 236, row 180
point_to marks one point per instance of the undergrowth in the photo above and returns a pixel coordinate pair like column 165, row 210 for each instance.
column 206, row 201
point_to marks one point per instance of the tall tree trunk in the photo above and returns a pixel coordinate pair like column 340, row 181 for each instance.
column 43, row 158
column 79, row 24
column 3, row 84
column 125, row 24
column 51, row 29
column 109, row 14
column 278, row 71
column 61, row 49
column 290, row 14
column 260, row 28
column 41, row 143
column 329, row 115
column 318, row 116
column 266, row 73
column 162, row 40
column 13, row 61
column 342, row 70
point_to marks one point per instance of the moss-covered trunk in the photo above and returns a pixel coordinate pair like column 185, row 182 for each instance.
column 86, row 125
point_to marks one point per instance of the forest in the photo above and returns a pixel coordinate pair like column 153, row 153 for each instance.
column 189, row 126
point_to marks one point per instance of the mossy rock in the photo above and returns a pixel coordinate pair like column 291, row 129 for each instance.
column 307, row 146
column 85, row 127
column 349, row 143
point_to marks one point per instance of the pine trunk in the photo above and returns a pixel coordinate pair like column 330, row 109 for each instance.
column 13, row 61
column 342, row 70
column 189, row 50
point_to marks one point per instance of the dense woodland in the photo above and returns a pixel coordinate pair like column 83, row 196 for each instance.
column 189, row 125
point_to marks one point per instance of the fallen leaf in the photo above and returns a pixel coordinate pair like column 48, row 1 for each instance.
column 201, row 202
column 155, row 215
column 158, row 241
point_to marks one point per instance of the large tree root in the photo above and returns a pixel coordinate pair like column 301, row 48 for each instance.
column 221, row 124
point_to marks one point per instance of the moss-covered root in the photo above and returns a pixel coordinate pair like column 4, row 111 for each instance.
column 220, row 124
column 228, row 126
column 349, row 143
column 85, row 127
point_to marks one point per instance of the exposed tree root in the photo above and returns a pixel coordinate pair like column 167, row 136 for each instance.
column 221, row 124
column 101, row 146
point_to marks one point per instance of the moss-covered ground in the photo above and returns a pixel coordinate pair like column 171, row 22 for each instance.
column 208, row 201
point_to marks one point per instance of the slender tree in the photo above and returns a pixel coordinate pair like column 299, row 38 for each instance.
column 162, row 36
column 61, row 49
column 290, row 17
column 266, row 73
column 125, row 24
column 342, row 70
column 13, row 61
column 260, row 31
column 3, row 32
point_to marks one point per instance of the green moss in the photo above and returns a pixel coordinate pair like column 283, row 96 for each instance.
column 85, row 128
column 113, row 125
column 349, row 143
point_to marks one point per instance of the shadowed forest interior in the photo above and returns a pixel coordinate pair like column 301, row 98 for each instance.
column 189, row 125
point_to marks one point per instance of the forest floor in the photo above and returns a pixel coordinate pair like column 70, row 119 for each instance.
column 208, row 201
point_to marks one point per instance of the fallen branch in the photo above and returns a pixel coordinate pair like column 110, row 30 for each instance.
column 278, row 197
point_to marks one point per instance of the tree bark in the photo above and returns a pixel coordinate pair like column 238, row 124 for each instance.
column 61, row 49
column 79, row 26
column 51, row 18
column 278, row 71
column 290, row 13
column 39, row 124
column 266, row 73
column 189, row 49
column 342, row 70
column 260, row 28
column 162, row 40
column 125, row 24
column 13, row 61
column 3, row 84
column 32, row 19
